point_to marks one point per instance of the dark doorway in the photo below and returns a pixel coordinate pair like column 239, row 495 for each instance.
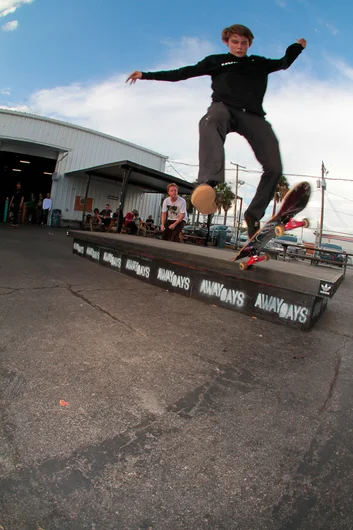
column 34, row 173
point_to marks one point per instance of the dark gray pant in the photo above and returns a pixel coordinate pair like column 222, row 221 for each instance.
column 172, row 235
column 214, row 127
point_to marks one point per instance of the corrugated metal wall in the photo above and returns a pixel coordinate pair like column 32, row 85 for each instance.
column 84, row 148
column 102, row 192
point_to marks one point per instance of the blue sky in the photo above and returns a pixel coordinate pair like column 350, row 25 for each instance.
column 69, row 59
column 62, row 41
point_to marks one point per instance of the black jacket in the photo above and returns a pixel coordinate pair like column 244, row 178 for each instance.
column 238, row 82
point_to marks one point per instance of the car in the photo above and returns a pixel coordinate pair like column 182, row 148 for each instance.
column 191, row 230
column 334, row 254
column 201, row 231
column 287, row 243
column 215, row 229
column 242, row 239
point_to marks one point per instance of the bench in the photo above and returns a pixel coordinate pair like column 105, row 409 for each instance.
column 197, row 240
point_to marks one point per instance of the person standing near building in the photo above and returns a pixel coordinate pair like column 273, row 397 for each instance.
column 174, row 215
column 47, row 205
column 39, row 208
column 16, row 203
column 239, row 83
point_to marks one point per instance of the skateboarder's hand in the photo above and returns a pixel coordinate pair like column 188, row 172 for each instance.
column 299, row 41
column 172, row 226
column 134, row 77
column 162, row 228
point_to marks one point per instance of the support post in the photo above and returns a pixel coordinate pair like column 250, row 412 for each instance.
column 237, row 183
column 86, row 195
column 240, row 209
column 324, row 172
column 127, row 173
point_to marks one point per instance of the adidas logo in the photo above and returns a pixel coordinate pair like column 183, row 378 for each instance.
column 325, row 288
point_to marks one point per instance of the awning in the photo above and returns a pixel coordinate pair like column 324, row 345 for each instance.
column 147, row 179
column 130, row 174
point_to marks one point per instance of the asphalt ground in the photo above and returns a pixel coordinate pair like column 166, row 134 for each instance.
column 175, row 414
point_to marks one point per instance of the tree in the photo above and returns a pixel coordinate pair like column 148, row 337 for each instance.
column 189, row 206
column 280, row 192
column 225, row 198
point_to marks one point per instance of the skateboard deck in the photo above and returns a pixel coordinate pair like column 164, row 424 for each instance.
column 203, row 199
column 293, row 203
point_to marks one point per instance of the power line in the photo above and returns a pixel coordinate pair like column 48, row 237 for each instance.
column 338, row 215
column 257, row 171
column 180, row 175
column 339, row 196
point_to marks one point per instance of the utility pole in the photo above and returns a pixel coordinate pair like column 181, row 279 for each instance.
column 237, row 184
column 322, row 184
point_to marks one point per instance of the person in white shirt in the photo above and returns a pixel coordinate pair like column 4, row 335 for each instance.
column 174, row 215
column 47, row 204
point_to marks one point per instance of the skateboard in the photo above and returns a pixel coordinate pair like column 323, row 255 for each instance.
column 203, row 199
column 294, row 202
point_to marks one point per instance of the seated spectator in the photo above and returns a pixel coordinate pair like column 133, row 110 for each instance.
column 150, row 223
column 133, row 225
column 95, row 218
column 129, row 217
column 106, row 216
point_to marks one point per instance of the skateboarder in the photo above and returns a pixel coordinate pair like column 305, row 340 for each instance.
column 239, row 84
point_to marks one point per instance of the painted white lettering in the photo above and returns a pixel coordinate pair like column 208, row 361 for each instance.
column 79, row 248
column 282, row 308
column 108, row 257
column 165, row 275
column 228, row 296
column 94, row 254
column 240, row 299
column 131, row 265
column 303, row 315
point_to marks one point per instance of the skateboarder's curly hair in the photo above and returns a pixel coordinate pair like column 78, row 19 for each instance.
column 237, row 29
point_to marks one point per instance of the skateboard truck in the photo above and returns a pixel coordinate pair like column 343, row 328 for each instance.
column 253, row 259
column 291, row 225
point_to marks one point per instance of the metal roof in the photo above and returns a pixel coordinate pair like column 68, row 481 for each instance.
column 145, row 178
column 78, row 127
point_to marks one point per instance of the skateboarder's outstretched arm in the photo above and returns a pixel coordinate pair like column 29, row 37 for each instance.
column 292, row 52
column 204, row 67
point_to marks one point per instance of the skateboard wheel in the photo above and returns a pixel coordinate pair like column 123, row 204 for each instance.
column 279, row 230
column 267, row 257
column 243, row 266
column 306, row 223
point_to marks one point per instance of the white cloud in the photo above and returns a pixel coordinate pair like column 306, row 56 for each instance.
column 342, row 67
column 5, row 91
column 311, row 117
column 10, row 26
column 281, row 3
column 332, row 29
column 8, row 7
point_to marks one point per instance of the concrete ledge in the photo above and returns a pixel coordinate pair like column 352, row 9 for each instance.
column 293, row 294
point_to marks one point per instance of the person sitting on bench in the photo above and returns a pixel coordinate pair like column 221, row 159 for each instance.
column 106, row 215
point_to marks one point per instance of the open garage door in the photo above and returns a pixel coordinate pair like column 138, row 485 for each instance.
column 34, row 172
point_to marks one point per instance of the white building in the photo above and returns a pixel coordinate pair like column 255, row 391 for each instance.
column 40, row 152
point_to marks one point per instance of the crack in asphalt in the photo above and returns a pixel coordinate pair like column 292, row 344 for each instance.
column 338, row 359
column 10, row 291
column 101, row 310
